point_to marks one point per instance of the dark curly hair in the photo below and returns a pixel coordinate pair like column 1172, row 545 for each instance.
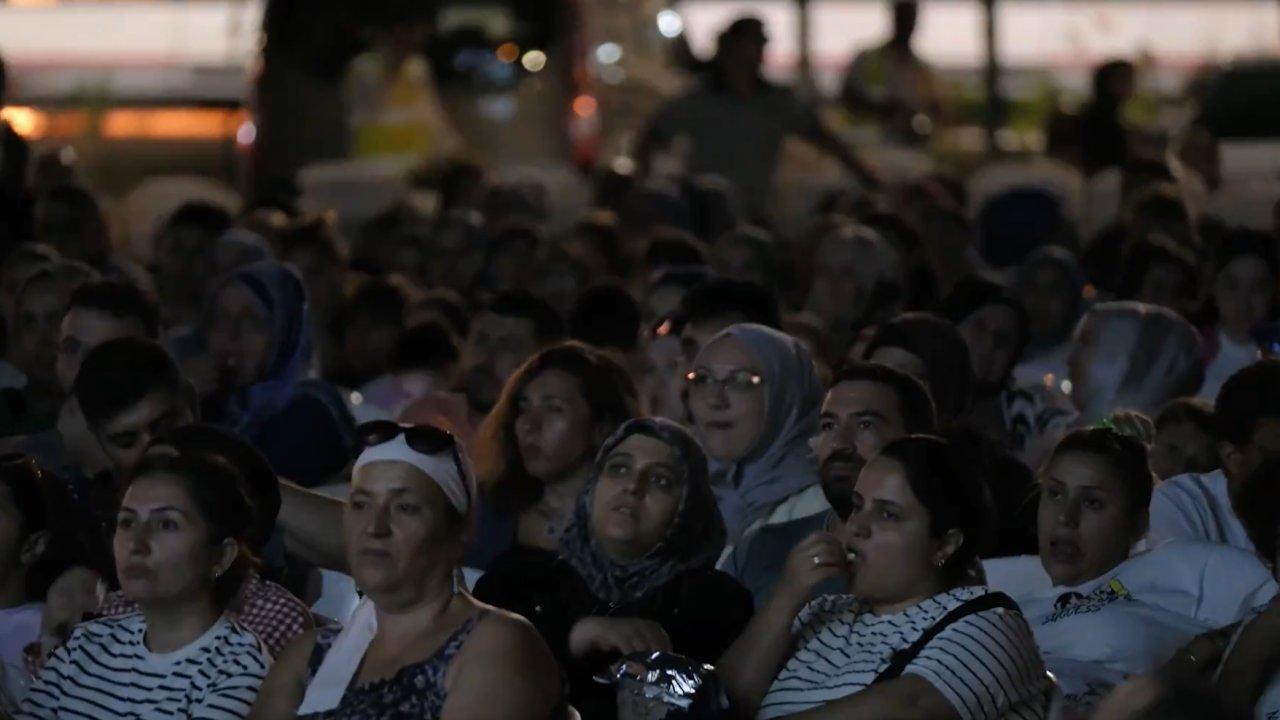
column 607, row 388
column 949, row 487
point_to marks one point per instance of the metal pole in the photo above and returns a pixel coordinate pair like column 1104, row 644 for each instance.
column 805, row 83
column 995, row 104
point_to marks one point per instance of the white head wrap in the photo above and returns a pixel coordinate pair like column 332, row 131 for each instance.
column 326, row 689
column 440, row 467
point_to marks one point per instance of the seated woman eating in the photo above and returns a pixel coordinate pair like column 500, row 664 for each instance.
column 418, row 646
column 1101, row 615
column 180, row 553
column 917, row 636
column 636, row 572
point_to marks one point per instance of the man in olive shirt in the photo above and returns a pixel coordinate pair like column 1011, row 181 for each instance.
column 734, row 122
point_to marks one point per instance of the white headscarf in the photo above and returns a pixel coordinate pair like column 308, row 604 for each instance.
column 781, row 463
column 331, row 680
column 1142, row 357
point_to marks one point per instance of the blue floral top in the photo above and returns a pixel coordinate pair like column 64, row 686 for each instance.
column 415, row 692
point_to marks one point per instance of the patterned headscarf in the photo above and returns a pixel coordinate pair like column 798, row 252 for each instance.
column 694, row 539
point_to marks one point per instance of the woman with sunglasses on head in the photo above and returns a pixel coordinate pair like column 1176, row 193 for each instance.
column 1100, row 612
column 537, row 447
column 754, row 396
column 635, row 571
column 917, row 635
column 418, row 645
column 180, row 552
column 535, row 451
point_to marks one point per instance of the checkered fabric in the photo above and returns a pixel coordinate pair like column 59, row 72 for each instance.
column 264, row 608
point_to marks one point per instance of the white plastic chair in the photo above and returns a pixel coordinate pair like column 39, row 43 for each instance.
column 1061, row 180
column 148, row 206
column 338, row 596
column 358, row 189
column 1248, row 203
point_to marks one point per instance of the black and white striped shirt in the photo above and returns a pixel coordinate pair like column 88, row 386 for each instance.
column 106, row 671
column 985, row 664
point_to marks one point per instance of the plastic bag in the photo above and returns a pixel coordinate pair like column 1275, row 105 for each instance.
column 666, row 686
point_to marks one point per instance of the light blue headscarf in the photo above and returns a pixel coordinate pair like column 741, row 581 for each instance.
column 781, row 464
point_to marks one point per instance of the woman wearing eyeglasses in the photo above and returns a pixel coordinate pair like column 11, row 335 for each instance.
column 754, row 395
column 635, row 572
column 418, row 646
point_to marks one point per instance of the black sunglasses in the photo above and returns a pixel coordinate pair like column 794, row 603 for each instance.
column 426, row 439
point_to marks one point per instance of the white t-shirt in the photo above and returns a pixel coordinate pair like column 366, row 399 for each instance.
column 985, row 664
column 105, row 670
column 1135, row 617
column 1231, row 358
column 19, row 627
column 1196, row 507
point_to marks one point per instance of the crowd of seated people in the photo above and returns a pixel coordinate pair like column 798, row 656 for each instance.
column 921, row 457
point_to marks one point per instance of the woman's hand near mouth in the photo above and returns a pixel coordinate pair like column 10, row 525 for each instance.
column 818, row 558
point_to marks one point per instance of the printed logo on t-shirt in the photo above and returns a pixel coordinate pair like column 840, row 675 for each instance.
column 1072, row 604
column 1087, row 698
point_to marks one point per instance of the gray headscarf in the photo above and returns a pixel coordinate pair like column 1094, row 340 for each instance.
column 781, row 464
column 1139, row 357
column 693, row 540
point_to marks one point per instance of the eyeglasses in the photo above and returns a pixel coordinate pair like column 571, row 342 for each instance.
column 738, row 381
column 426, row 439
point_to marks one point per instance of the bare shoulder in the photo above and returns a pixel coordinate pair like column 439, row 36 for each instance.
column 506, row 632
column 507, row 650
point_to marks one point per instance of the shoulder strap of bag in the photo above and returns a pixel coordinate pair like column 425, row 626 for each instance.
column 902, row 658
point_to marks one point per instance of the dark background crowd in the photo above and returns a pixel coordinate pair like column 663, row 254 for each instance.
column 811, row 456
